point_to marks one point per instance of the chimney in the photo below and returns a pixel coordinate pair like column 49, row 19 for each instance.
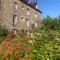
column 33, row 3
column 36, row 4
column 29, row 1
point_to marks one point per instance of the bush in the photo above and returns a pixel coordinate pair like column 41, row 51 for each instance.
column 10, row 35
column 3, row 31
column 42, row 46
column 47, row 47
column 21, row 33
column 14, row 51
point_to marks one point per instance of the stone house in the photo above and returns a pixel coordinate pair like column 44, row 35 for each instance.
column 19, row 15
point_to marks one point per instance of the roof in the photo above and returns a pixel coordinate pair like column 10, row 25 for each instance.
column 31, row 6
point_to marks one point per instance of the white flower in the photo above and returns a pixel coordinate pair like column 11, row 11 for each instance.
column 32, row 44
column 59, row 47
column 57, row 39
column 34, row 51
column 30, row 41
column 40, row 34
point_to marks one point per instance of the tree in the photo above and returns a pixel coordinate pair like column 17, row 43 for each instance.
column 47, row 23
column 50, row 23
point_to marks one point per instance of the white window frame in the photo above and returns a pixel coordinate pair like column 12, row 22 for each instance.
column 36, row 25
column 23, row 7
column 36, row 15
column 14, row 19
column 27, row 22
column 15, row 6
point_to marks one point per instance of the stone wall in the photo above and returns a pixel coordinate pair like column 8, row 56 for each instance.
column 22, row 14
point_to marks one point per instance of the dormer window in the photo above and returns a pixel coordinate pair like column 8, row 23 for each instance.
column 28, row 11
column 15, row 6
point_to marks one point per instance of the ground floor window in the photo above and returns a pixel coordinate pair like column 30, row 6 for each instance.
column 14, row 19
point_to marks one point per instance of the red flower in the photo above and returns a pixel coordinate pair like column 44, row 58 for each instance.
column 10, row 35
column 28, row 49
column 26, row 56
column 0, row 50
column 5, row 44
column 10, row 50
column 18, row 46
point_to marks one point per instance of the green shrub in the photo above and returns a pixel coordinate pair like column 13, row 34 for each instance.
column 48, row 46
column 3, row 31
column 21, row 33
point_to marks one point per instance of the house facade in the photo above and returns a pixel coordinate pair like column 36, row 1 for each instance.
column 19, row 15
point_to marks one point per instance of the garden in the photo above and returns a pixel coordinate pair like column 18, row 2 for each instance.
column 43, row 45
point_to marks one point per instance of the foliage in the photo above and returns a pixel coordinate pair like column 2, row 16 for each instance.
column 21, row 33
column 47, row 47
column 51, row 23
column 10, row 35
column 3, row 31
column 43, row 45
column 14, row 51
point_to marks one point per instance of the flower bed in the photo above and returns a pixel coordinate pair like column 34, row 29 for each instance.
column 12, row 51
column 42, row 46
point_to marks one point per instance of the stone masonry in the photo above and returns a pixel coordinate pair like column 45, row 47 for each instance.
column 18, row 15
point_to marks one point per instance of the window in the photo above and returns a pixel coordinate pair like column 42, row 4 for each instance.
column 27, row 22
column 35, row 25
column 35, row 15
column 14, row 19
column 23, row 7
column 22, row 18
column 15, row 6
column 27, row 11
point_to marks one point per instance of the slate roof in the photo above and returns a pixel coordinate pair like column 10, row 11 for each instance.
column 31, row 6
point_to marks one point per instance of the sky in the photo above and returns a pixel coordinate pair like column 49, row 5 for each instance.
column 49, row 7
